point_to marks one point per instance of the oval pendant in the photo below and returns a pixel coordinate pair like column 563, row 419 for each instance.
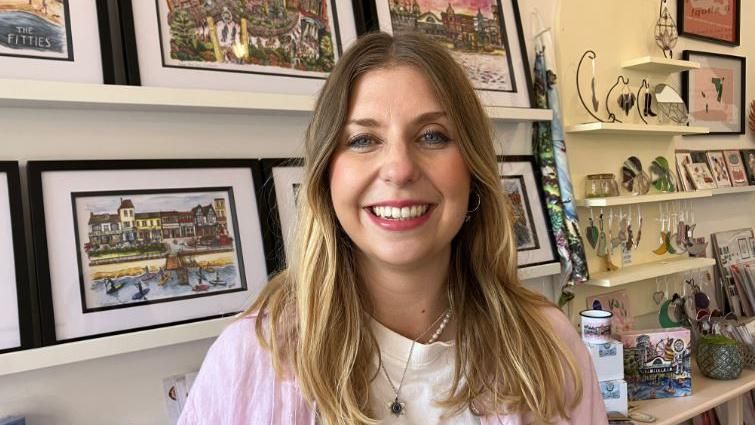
column 397, row 408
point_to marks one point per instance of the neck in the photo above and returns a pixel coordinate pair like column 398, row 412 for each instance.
column 407, row 300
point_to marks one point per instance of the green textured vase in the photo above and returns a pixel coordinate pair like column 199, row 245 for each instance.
column 718, row 357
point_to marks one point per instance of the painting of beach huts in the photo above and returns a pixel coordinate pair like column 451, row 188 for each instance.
column 657, row 363
column 473, row 30
column 152, row 246
column 35, row 28
column 279, row 37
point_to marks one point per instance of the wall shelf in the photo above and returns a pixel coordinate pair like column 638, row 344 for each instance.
column 539, row 271
column 56, row 355
column 56, row 94
column 644, row 271
column 733, row 190
column 659, row 65
column 620, row 128
column 642, row 199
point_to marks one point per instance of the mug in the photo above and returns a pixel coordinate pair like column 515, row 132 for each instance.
column 596, row 326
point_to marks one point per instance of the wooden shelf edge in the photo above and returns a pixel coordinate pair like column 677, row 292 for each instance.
column 733, row 190
column 67, row 353
column 534, row 272
column 650, row 129
column 641, row 199
column 638, row 272
column 660, row 65
column 501, row 113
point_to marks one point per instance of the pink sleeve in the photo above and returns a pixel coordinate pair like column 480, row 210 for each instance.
column 591, row 409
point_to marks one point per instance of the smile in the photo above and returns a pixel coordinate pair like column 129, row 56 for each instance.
column 399, row 214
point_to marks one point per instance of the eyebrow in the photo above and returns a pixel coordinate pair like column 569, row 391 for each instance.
column 370, row 122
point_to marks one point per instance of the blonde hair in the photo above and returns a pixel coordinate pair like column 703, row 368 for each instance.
column 315, row 314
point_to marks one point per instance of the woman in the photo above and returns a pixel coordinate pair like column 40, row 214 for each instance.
column 402, row 303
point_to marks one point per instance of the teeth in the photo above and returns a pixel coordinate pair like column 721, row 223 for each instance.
column 404, row 213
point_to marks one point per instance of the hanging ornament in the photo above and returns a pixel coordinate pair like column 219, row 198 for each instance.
column 662, row 177
column 666, row 34
column 634, row 179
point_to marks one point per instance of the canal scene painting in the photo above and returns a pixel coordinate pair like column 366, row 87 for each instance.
column 473, row 30
column 657, row 363
column 36, row 29
column 279, row 37
column 152, row 246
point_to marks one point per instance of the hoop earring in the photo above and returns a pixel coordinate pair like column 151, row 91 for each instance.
column 471, row 212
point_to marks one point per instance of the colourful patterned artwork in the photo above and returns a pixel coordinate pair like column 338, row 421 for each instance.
column 151, row 246
column 473, row 30
column 36, row 29
column 279, row 37
column 713, row 94
column 524, row 229
column 657, row 363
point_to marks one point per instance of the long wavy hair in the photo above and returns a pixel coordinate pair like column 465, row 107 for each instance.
column 314, row 316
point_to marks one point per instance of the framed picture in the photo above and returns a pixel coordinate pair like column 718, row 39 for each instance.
column 682, row 159
column 137, row 244
column 484, row 36
column 718, row 168
column 736, row 168
column 700, row 176
column 749, row 164
column 282, row 180
column 60, row 40
column 716, row 21
column 15, row 291
column 715, row 93
column 519, row 180
column 260, row 46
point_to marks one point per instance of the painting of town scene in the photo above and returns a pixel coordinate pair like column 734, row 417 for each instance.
column 156, row 246
column 524, row 228
column 283, row 37
column 657, row 363
column 35, row 28
column 473, row 30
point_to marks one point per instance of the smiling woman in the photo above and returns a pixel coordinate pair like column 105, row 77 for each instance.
column 401, row 303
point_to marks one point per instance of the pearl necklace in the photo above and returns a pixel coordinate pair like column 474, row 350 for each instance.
column 396, row 407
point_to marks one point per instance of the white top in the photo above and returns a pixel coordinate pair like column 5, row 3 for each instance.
column 428, row 378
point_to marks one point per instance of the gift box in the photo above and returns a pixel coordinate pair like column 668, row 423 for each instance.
column 608, row 360
column 657, row 363
column 614, row 395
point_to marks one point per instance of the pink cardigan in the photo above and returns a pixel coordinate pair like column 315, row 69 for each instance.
column 237, row 385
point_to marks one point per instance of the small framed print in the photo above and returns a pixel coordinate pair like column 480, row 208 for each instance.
column 60, row 40
column 484, row 36
column 736, row 168
column 15, row 291
column 282, row 178
column 715, row 21
column 715, row 93
column 250, row 45
column 531, row 229
column 718, row 168
column 682, row 159
column 749, row 164
column 700, row 176
column 137, row 244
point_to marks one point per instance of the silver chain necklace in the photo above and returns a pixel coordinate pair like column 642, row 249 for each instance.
column 396, row 407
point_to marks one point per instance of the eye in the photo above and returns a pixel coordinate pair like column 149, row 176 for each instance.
column 434, row 138
column 360, row 142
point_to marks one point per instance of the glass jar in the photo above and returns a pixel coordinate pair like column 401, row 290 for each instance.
column 601, row 186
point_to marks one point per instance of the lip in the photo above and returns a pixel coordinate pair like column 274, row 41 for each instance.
column 400, row 225
column 399, row 203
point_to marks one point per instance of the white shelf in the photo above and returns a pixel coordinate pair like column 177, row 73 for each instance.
column 642, row 199
column 639, row 272
column 56, row 94
column 733, row 190
column 659, row 65
column 707, row 393
column 539, row 271
column 619, row 128
column 56, row 355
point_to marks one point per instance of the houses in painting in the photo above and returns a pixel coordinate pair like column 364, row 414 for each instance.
column 131, row 228
column 480, row 31
column 657, row 364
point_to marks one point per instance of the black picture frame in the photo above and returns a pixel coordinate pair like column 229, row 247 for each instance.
column 548, row 253
column 277, row 251
column 686, row 32
column 35, row 172
column 741, row 91
column 25, row 294
column 370, row 10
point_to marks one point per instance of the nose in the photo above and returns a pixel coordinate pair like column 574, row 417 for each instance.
column 399, row 165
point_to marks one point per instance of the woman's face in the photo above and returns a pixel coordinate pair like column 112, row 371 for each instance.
column 398, row 181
